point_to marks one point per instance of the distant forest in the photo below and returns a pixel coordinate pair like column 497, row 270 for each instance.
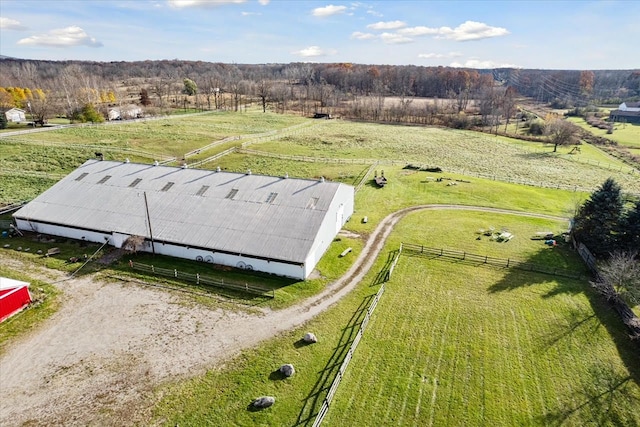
column 64, row 88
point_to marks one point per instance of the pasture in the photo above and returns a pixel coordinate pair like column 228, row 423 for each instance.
column 449, row 344
column 625, row 134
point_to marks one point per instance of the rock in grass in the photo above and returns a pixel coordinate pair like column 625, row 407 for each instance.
column 310, row 338
column 263, row 402
column 287, row 370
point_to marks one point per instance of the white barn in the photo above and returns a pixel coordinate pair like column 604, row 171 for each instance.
column 273, row 224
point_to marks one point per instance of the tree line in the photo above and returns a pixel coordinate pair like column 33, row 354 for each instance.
column 370, row 92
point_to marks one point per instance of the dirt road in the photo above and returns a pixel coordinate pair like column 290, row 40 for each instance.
column 97, row 360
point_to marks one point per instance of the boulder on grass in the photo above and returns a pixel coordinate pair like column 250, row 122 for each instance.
column 287, row 370
column 263, row 402
column 310, row 338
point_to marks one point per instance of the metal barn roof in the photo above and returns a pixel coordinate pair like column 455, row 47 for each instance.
column 256, row 215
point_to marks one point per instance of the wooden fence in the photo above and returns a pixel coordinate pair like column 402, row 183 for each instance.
column 199, row 279
column 345, row 363
column 420, row 250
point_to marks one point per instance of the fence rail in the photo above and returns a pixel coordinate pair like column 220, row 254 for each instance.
column 345, row 363
column 420, row 250
column 204, row 280
column 12, row 207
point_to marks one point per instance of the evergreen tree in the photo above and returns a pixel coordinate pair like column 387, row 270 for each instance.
column 630, row 229
column 599, row 219
column 3, row 120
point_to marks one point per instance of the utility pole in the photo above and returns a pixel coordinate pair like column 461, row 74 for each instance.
column 146, row 205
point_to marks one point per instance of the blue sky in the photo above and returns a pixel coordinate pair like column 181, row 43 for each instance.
column 478, row 34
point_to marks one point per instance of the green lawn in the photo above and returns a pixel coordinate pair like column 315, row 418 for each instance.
column 625, row 134
column 449, row 344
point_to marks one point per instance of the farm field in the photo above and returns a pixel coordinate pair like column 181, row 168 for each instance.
column 471, row 345
column 165, row 137
column 462, row 152
column 33, row 162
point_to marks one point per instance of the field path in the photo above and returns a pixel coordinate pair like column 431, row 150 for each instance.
column 98, row 360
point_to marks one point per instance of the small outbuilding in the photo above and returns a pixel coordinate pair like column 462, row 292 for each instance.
column 15, row 115
column 125, row 112
column 14, row 296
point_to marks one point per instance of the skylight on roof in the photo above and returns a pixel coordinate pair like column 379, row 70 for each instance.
column 271, row 197
column 135, row 182
column 104, row 179
column 232, row 194
column 311, row 204
column 167, row 186
column 81, row 176
column 202, row 190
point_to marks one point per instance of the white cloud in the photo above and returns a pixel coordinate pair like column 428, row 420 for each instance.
column 314, row 51
column 11, row 24
column 362, row 36
column 250, row 13
column 328, row 10
column 202, row 3
column 263, row 2
column 439, row 55
column 476, row 63
column 64, row 37
column 394, row 38
column 375, row 13
column 418, row 31
column 389, row 25
column 471, row 30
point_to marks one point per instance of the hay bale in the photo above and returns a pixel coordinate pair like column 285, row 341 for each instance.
column 287, row 370
column 263, row 402
column 310, row 338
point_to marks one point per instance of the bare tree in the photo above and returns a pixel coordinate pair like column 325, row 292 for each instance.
column 561, row 132
column 621, row 274
column 263, row 91
column 619, row 279
column 508, row 105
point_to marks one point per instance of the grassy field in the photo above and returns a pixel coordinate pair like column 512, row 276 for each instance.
column 627, row 135
column 471, row 345
column 166, row 137
column 463, row 152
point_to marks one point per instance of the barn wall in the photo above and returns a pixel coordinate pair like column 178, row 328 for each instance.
column 338, row 214
column 238, row 261
column 62, row 231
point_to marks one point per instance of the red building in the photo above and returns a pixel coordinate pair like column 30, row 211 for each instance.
column 14, row 296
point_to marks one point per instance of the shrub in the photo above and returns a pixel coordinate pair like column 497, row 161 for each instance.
column 536, row 127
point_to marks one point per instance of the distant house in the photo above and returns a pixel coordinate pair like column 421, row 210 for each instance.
column 125, row 112
column 627, row 112
column 15, row 115
column 629, row 106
